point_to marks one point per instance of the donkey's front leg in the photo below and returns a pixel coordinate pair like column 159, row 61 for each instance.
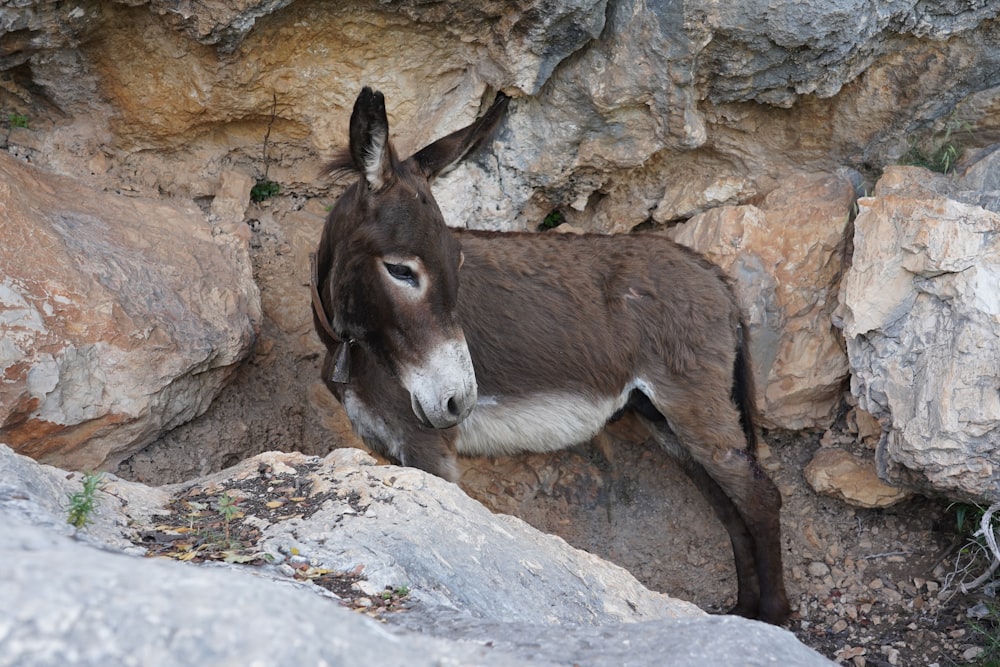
column 402, row 440
column 380, row 412
column 432, row 451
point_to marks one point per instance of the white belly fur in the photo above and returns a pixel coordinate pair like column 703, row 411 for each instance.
column 548, row 422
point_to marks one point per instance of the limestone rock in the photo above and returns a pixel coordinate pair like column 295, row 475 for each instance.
column 229, row 205
column 843, row 475
column 652, row 118
column 784, row 256
column 921, row 315
column 622, row 109
column 119, row 317
column 786, row 52
column 488, row 590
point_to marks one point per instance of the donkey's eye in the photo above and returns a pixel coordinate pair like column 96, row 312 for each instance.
column 402, row 273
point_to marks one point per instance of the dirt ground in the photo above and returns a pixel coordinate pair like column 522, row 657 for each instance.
column 866, row 585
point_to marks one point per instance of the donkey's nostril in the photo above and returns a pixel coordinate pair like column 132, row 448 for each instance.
column 453, row 407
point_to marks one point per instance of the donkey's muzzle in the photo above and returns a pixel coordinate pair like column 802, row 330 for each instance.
column 449, row 411
column 443, row 389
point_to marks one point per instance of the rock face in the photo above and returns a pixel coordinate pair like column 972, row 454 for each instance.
column 921, row 314
column 625, row 107
column 672, row 111
column 487, row 590
column 784, row 256
column 119, row 317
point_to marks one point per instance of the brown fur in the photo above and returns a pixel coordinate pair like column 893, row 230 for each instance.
column 564, row 332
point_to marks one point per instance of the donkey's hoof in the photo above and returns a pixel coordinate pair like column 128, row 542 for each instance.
column 744, row 610
column 775, row 612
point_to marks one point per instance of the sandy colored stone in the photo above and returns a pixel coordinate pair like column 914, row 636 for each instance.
column 233, row 196
column 785, row 257
column 840, row 474
column 119, row 317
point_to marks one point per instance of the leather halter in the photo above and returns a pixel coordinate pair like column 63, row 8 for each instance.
column 341, row 373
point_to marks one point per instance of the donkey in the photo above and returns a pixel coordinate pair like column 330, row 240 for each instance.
column 443, row 342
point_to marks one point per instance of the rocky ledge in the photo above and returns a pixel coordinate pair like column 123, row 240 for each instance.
column 270, row 561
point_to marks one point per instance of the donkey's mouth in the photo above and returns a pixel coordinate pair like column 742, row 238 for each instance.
column 418, row 410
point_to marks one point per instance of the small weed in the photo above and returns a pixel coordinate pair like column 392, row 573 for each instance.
column 264, row 189
column 941, row 159
column 398, row 592
column 962, row 513
column 17, row 120
column 980, row 553
column 83, row 503
column 229, row 511
column 938, row 153
column 551, row 221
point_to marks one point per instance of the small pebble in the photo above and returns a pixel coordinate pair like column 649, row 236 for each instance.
column 818, row 569
column 973, row 652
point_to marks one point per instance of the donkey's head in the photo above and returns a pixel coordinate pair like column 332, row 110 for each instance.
column 388, row 265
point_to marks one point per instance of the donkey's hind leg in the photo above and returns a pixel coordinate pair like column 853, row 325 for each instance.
column 742, row 495
column 748, row 591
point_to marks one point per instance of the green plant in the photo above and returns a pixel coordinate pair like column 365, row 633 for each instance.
column 987, row 628
column 938, row 153
column 963, row 512
column 979, row 528
column 264, row 189
column 229, row 511
column 398, row 592
column 17, row 120
column 83, row 502
column 552, row 220
column 980, row 552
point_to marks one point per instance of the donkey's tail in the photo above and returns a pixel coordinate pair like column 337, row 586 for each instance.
column 743, row 390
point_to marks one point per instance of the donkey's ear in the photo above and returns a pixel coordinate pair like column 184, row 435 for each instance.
column 370, row 149
column 447, row 151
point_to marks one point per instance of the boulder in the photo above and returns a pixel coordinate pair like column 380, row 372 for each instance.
column 484, row 589
column 785, row 257
column 120, row 317
column 921, row 315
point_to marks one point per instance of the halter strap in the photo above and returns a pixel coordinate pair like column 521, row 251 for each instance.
column 341, row 373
